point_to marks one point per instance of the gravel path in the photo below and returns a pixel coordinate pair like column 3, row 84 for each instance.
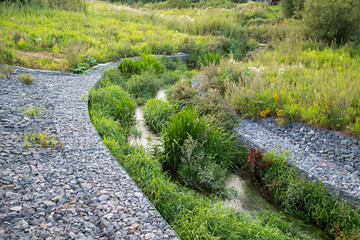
column 77, row 192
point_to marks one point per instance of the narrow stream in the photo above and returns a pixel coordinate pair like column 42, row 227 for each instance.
column 244, row 197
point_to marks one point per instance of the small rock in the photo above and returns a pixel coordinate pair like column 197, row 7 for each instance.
column 17, row 208
column 349, row 168
column 49, row 203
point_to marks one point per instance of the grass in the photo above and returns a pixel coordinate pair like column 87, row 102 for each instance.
column 6, row 71
column 306, row 198
column 192, row 215
column 43, row 139
column 32, row 111
column 156, row 113
column 26, row 78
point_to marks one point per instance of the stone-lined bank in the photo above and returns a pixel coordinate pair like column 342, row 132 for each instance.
column 328, row 156
column 77, row 192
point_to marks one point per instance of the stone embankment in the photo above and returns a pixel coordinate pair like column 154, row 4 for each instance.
column 76, row 191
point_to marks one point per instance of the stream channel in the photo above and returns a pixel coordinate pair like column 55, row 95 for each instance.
column 245, row 197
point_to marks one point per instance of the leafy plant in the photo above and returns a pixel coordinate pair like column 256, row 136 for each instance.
column 86, row 63
column 26, row 78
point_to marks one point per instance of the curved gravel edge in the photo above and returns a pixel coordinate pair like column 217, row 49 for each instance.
column 77, row 192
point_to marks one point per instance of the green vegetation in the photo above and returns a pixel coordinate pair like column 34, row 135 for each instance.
column 32, row 111
column 192, row 215
column 199, row 151
column 41, row 138
column 26, row 78
column 157, row 112
column 308, row 199
column 6, row 71
column 307, row 71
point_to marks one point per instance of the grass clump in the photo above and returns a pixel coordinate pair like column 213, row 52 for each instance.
column 115, row 103
column 157, row 112
column 213, row 104
column 26, row 78
column 129, row 67
column 32, row 111
column 43, row 139
column 6, row 71
column 198, row 151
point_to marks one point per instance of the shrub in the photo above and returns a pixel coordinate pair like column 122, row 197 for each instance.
column 333, row 21
column 129, row 66
column 6, row 71
column 156, row 113
column 115, row 103
column 26, row 78
column 292, row 8
column 212, row 103
column 181, row 94
column 217, row 143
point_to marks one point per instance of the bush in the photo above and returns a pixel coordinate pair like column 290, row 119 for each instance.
column 293, row 8
column 156, row 113
column 115, row 103
column 192, row 144
column 213, row 103
column 130, row 67
column 143, row 86
column 333, row 21
column 26, row 78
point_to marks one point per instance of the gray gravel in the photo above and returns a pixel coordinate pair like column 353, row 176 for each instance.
column 77, row 192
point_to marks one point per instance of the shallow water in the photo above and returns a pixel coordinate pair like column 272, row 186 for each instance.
column 147, row 138
column 245, row 198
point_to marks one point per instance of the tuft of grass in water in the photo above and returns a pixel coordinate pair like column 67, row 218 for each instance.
column 6, row 71
column 32, row 111
column 157, row 112
column 41, row 138
column 26, row 78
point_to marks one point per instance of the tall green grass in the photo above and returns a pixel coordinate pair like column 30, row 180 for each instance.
column 308, row 199
column 157, row 113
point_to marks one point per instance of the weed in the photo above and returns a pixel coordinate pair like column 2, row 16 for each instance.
column 41, row 138
column 212, row 103
column 86, row 63
column 32, row 111
column 6, row 71
column 26, row 78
